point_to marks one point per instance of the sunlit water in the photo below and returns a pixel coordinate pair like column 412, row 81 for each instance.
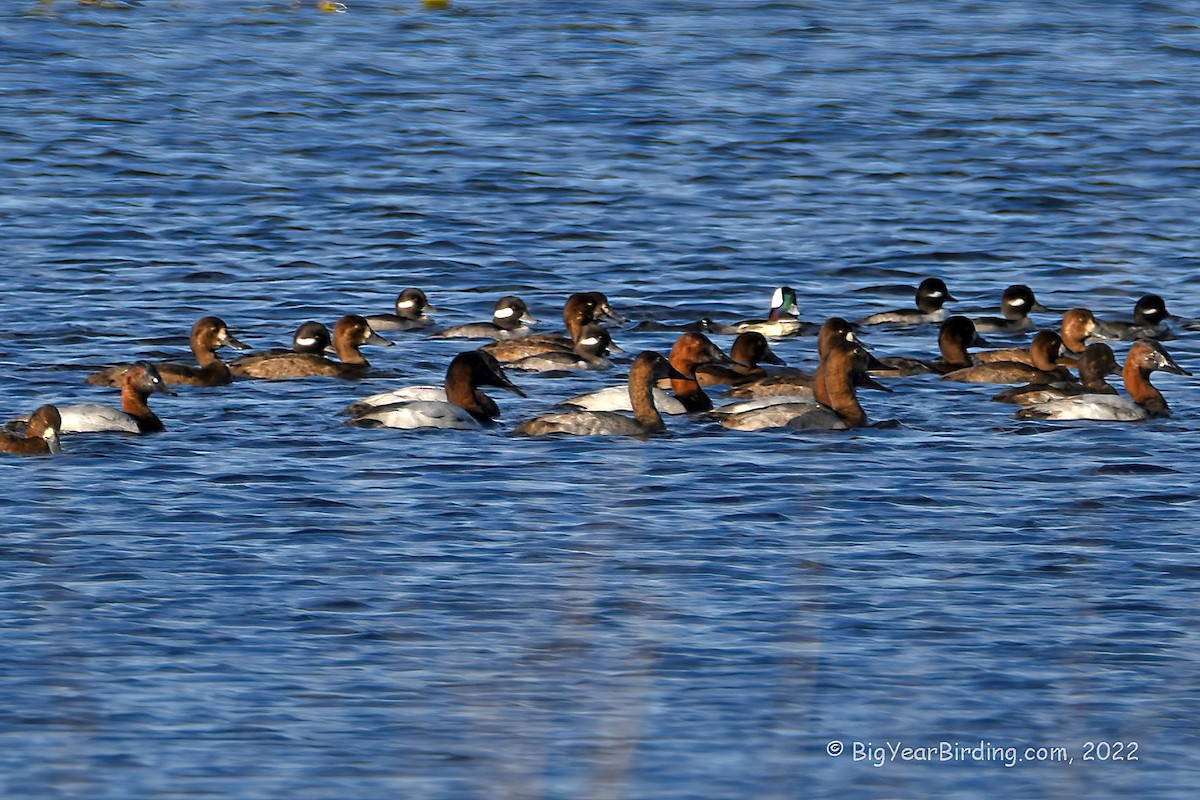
column 262, row 602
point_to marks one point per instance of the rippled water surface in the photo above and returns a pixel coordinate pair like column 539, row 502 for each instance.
column 263, row 602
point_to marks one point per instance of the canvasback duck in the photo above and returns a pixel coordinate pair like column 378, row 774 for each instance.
column 835, row 403
column 590, row 353
column 581, row 309
column 782, row 318
column 1044, row 352
column 1016, row 303
column 40, row 437
column 1095, row 364
column 748, row 350
column 1078, row 325
column 349, row 334
column 791, row 381
column 955, row 335
column 1150, row 317
column 310, row 337
column 140, row 381
column 510, row 320
column 466, row 407
column 1144, row 402
column 932, row 294
column 208, row 334
column 412, row 313
column 647, row 369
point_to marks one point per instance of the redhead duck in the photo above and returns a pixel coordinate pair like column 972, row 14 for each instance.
column 648, row 368
column 1015, row 305
column 748, row 350
column 1078, row 325
column 465, row 406
column 581, row 309
column 40, row 438
column 1145, row 401
column 835, row 403
column 412, row 310
column 1150, row 317
column 1044, row 352
column 932, row 294
column 782, row 318
column 790, row 381
column 349, row 334
column 310, row 337
column 208, row 334
column 510, row 320
column 140, row 381
column 955, row 335
column 1096, row 362
column 590, row 353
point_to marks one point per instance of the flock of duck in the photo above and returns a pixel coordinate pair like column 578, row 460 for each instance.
column 1060, row 374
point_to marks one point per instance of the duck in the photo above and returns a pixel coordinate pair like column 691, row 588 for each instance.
column 1016, row 303
column 932, row 294
column 782, row 318
column 834, row 405
column 1097, row 362
column 1150, row 317
column 955, row 335
column 580, row 309
column 748, row 350
column 40, row 437
column 647, row 369
column 208, row 334
column 1044, row 352
column 350, row 333
column 465, row 406
column 590, row 353
column 140, row 380
column 412, row 313
column 1077, row 326
column 310, row 337
column 1144, row 402
column 510, row 320
column 791, row 381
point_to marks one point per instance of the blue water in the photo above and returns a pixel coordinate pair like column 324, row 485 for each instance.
column 262, row 602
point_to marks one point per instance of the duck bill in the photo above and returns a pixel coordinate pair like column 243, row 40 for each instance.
column 1039, row 307
column 528, row 319
column 1171, row 366
column 865, row 381
column 376, row 339
column 606, row 312
column 771, row 358
column 874, row 363
column 614, row 347
column 979, row 341
column 1102, row 330
column 232, row 341
column 162, row 388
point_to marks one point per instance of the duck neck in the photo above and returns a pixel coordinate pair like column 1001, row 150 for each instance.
column 348, row 353
column 462, row 392
column 134, row 402
column 641, row 398
column 834, row 387
column 1142, row 392
column 954, row 352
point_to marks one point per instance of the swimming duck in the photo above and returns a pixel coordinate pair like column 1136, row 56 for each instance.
column 1044, row 352
column 40, row 437
column 1015, row 305
column 140, row 381
column 349, row 334
column 590, row 353
column 648, row 368
column 208, row 334
column 510, row 320
column 955, row 335
column 310, row 337
column 1078, row 325
column 412, row 313
column 1145, row 401
column 782, row 318
column 791, row 381
column 835, row 403
column 1150, row 317
column 580, row 309
column 1096, row 362
column 748, row 349
column 466, row 407
column 932, row 294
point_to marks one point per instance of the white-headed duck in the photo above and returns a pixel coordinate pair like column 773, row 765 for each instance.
column 466, row 407
column 349, row 334
column 580, row 309
column 782, row 318
column 40, row 437
column 208, row 334
column 932, row 294
column 589, row 353
column 749, row 349
column 1095, row 364
column 510, row 320
column 1145, row 401
column 955, row 335
column 648, row 368
column 1044, row 352
column 140, row 380
column 412, row 313
column 1016, row 303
